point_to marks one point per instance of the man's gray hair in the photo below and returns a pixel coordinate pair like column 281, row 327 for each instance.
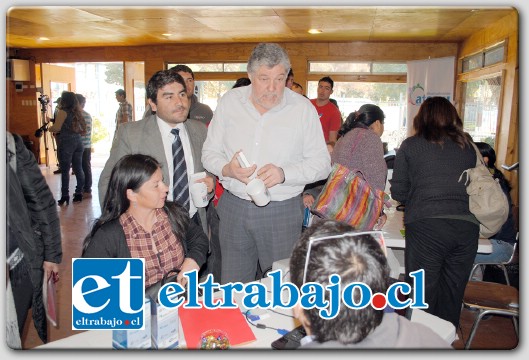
column 269, row 55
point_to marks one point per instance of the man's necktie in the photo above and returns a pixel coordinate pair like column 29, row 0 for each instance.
column 180, row 182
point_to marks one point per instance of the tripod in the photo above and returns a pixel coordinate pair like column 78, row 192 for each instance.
column 44, row 128
column 54, row 145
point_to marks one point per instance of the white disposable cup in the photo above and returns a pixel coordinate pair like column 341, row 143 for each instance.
column 258, row 192
column 197, row 176
column 199, row 194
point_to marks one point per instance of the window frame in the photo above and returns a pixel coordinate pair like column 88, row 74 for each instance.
column 488, row 75
column 356, row 73
column 169, row 64
column 481, row 55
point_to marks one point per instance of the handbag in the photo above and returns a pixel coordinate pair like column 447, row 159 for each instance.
column 152, row 291
column 486, row 199
column 348, row 197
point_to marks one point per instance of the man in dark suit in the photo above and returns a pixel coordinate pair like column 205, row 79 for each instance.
column 166, row 93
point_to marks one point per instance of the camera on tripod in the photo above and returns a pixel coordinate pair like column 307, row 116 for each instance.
column 44, row 100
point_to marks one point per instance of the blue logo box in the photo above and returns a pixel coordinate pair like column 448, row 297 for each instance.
column 108, row 294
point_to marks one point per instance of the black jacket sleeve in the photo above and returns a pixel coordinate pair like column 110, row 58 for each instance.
column 40, row 202
column 107, row 242
column 197, row 243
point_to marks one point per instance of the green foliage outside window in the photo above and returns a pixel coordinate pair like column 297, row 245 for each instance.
column 99, row 132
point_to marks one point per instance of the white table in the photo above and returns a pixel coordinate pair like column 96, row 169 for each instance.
column 395, row 223
column 394, row 238
column 396, row 243
column 102, row 340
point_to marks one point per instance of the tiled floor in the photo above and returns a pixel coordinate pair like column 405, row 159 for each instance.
column 76, row 219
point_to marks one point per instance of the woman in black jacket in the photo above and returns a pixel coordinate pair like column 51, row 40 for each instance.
column 441, row 232
column 33, row 246
column 137, row 222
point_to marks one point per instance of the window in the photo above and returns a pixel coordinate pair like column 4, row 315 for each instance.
column 472, row 62
column 481, row 108
column 215, row 67
column 56, row 90
column 139, row 99
column 210, row 92
column 391, row 97
column 355, row 67
column 487, row 57
column 494, row 55
column 215, row 79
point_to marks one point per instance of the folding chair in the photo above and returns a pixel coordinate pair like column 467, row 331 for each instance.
column 489, row 298
column 503, row 265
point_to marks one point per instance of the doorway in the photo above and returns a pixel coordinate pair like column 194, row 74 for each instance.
column 97, row 82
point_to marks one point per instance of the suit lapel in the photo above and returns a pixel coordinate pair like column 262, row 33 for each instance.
column 154, row 144
column 196, row 147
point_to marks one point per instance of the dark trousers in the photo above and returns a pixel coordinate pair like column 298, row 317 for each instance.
column 87, row 169
column 23, row 296
column 445, row 249
column 214, row 259
column 71, row 154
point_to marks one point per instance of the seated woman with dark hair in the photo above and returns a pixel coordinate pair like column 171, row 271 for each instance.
column 502, row 242
column 137, row 222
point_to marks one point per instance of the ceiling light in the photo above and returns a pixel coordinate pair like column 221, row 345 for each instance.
column 43, row 38
column 315, row 31
column 167, row 34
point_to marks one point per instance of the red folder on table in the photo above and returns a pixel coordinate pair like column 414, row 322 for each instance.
column 231, row 321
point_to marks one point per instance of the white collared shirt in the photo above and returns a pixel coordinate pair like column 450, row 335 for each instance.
column 289, row 136
column 167, row 138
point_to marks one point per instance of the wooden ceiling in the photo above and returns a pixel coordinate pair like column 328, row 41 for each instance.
column 86, row 26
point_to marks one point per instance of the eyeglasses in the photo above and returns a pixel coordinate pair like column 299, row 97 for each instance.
column 376, row 234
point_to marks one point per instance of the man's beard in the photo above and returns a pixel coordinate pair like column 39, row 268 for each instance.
column 268, row 101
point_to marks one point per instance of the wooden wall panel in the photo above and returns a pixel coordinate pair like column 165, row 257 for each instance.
column 23, row 109
column 392, row 51
column 156, row 57
column 502, row 29
column 505, row 29
column 299, row 53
